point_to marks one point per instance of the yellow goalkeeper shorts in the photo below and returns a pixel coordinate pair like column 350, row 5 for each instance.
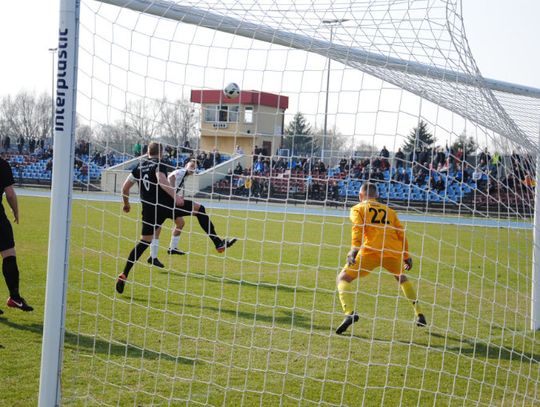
column 366, row 263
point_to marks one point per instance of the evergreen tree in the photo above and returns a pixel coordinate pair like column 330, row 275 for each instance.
column 299, row 137
column 468, row 144
column 419, row 138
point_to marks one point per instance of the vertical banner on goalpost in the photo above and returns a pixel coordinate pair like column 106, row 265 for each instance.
column 62, row 182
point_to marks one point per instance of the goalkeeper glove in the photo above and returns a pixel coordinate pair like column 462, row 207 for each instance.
column 351, row 257
column 408, row 263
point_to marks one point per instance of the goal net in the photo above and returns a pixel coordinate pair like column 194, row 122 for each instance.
column 333, row 94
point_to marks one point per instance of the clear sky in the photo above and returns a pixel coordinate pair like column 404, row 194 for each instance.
column 503, row 37
column 502, row 34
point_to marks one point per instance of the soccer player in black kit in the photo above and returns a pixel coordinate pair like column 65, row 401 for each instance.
column 7, row 242
column 159, row 202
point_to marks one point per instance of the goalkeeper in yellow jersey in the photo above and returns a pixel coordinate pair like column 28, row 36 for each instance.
column 378, row 240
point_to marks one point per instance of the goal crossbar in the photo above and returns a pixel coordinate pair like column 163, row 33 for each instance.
column 354, row 57
column 337, row 52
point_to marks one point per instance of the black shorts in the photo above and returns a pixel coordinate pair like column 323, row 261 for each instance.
column 186, row 209
column 153, row 216
column 6, row 233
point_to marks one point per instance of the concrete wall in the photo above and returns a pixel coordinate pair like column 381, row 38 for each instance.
column 209, row 177
column 112, row 178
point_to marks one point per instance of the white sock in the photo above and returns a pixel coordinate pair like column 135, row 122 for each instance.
column 154, row 246
column 174, row 241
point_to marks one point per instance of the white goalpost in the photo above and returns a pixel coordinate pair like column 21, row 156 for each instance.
column 454, row 153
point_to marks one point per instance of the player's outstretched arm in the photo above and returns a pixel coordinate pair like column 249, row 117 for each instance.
column 11, row 197
column 172, row 179
column 164, row 184
column 126, row 187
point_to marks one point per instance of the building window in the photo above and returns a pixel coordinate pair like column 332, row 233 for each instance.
column 248, row 114
column 223, row 114
column 210, row 113
column 233, row 113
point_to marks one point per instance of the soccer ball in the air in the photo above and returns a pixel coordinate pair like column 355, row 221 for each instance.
column 231, row 91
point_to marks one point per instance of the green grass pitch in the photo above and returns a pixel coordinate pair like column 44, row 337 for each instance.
column 256, row 326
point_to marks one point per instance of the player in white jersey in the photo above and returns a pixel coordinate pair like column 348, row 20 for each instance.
column 190, row 208
column 178, row 176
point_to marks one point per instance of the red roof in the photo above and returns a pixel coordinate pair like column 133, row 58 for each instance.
column 247, row 97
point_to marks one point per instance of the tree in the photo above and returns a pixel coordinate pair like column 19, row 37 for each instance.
column 178, row 120
column 43, row 116
column 143, row 119
column 336, row 143
column 83, row 132
column 365, row 149
column 419, row 138
column 468, row 144
column 299, row 137
column 117, row 133
column 25, row 115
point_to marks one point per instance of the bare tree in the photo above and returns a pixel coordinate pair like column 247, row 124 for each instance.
column 336, row 142
column 24, row 120
column 83, row 132
column 143, row 119
column 365, row 149
column 25, row 115
column 44, row 115
column 6, row 118
column 178, row 120
column 116, row 133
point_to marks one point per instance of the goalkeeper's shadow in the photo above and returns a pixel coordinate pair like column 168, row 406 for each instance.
column 464, row 346
column 477, row 348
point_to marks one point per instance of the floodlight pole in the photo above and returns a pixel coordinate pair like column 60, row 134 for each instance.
column 60, row 219
column 535, row 283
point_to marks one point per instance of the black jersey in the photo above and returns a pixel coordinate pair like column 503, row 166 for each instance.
column 6, row 179
column 145, row 174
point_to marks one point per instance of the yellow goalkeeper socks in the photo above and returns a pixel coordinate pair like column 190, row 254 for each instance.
column 345, row 296
column 409, row 292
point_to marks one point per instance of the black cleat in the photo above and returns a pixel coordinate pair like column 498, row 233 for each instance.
column 347, row 322
column 1, row 312
column 175, row 251
column 19, row 303
column 120, row 283
column 225, row 244
column 156, row 262
column 421, row 320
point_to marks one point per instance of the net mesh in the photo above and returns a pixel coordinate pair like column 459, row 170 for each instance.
column 332, row 93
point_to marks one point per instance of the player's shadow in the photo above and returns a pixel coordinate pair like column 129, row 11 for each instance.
column 286, row 318
column 261, row 284
column 474, row 348
column 97, row 345
column 266, row 286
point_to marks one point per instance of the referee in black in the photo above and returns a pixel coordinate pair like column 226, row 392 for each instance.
column 7, row 242
column 158, row 204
